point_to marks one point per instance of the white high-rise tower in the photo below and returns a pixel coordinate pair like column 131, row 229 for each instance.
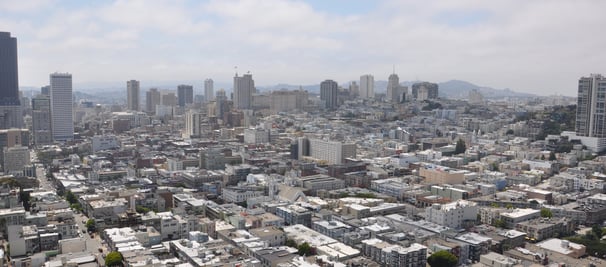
column 61, row 106
column 367, row 86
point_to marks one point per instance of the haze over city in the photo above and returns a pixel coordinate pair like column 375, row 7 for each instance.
column 540, row 47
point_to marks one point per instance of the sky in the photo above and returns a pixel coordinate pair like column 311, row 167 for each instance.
column 539, row 46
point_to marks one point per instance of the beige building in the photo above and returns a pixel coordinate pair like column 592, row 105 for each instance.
column 434, row 174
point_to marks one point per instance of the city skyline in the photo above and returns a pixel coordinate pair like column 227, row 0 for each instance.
column 525, row 46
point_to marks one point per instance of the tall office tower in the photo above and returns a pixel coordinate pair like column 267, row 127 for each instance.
column 329, row 90
column 41, row 120
column 424, row 90
column 45, row 90
column 62, row 117
column 152, row 99
column 185, row 93
column 209, row 90
column 244, row 87
column 367, row 86
column 591, row 113
column 10, row 107
column 132, row 95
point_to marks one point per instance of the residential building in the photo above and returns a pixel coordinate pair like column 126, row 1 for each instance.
column 456, row 214
column 329, row 90
column 294, row 214
column 193, row 124
column 331, row 152
column 62, row 106
column 15, row 159
column 133, row 94
column 256, row 136
column 392, row 255
column 367, row 86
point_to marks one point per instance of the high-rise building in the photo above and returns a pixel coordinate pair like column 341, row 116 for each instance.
column 10, row 107
column 424, row 90
column 244, row 87
column 395, row 92
column 62, row 117
column 193, row 124
column 9, row 76
column 41, row 120
column 152, row 99
column 333, row 152
column 367, row 86
column 329, row 90
column 132, row 94
column 285, row 100
column 209, row 90
column 185, row 94
column 591, row 111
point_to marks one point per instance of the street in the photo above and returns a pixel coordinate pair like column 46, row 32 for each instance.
column 92, row 244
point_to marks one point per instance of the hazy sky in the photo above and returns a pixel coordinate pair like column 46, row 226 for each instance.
column 532, row 46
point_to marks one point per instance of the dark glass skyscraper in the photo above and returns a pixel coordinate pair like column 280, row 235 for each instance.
column 9, row 77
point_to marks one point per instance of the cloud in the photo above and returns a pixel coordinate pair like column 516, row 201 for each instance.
column 534, row 46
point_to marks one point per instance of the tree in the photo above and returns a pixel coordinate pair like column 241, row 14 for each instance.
column 442, row 258
column 113, row 258
column 546, row 213
column 305, row 249
column 509, row 132
column 90, row 225
column 70, row 197
column 460, row 147
column 499, row 223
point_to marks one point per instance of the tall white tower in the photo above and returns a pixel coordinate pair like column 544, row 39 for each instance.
column 367, row 86
column 62, row 106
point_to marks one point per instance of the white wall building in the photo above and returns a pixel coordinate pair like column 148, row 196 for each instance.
column 209, row 90
column 62, row 106
column 453, row 214
column 103, row 142
column 256, row 136
column 367, row 86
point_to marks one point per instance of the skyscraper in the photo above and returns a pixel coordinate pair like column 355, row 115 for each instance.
column 209, row 90
column 244, row 87
column 10, row 108
column 41, row 120
column 9, row 76
column 395, row 92
column 367, row 86
column 152, row 99
column 132, row 94
column 185, row 94
column 62, row 118
column 591, row 101
column 329, row 90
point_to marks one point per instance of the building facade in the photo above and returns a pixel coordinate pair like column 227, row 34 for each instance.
column 132, row 95
column 41, row 120
column 209, row 90
column 367, row 86
column 62, row 118
column 329, row 90
column 244, row 87
column 185, row 95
